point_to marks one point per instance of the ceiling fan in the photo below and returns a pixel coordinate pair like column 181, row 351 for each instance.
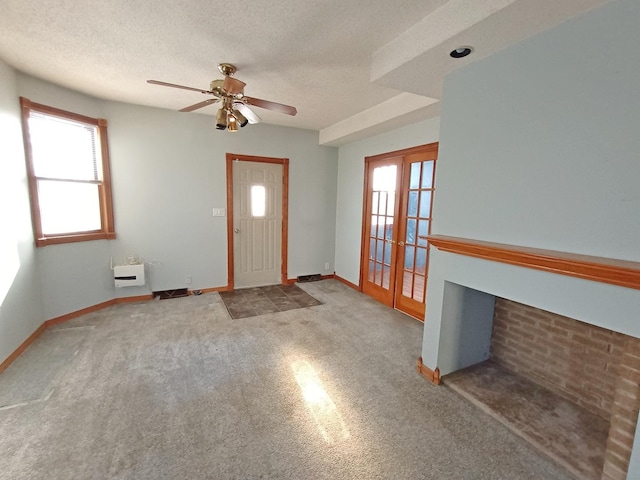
column 235, row 104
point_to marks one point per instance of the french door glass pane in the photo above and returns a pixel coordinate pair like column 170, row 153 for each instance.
column 382, row 203
column 387, row 253
column 374, row 202
column 425, row 204
column 421, row 260
column 409, row 253
column 379, row 245
column 388, row 228
column 411, row 231
column 384, row 178
column 414, row 181
column 412, row 207
column 423, row 231
column 386, row 275
column 427, row 174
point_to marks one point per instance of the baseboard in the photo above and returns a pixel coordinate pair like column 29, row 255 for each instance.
column 291, row 281
column 347, row 282
column 426, row 372
column 69, row 316
column 9, row 360
column 226, row 288
column 138, row 298
column 95, row 308
column 77, row 313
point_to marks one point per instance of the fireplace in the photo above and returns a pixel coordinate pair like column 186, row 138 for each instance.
column 567, row 322
column 596, row 368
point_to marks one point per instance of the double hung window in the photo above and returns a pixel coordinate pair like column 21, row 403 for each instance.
column 68, row 170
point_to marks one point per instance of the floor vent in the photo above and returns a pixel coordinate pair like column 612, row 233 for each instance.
column 314, row 277
column 165, row 294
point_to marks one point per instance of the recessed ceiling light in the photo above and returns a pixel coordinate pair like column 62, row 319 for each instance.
column 461, row 52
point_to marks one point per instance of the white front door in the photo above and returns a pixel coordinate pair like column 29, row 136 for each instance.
column 257, row 223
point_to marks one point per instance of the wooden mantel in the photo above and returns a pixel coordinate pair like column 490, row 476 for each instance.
column 606, row 270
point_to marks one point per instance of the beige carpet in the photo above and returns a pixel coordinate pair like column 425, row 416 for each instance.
column 176, row 389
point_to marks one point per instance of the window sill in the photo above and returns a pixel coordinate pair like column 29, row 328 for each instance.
column 80, row 237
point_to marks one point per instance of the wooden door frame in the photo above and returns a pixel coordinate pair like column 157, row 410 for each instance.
column 231, row 157
column 400, row 197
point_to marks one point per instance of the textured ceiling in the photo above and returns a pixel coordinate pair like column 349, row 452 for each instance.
column 340, row 62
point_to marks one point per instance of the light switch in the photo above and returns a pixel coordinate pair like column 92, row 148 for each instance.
column 219, row 212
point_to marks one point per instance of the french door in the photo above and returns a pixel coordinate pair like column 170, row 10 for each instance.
column 398, row 201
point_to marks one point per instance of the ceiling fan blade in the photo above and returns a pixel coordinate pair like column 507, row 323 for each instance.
column 247, row 112
column 277, row 107
column 165, row 84
column 233, row 86
column 199, row 105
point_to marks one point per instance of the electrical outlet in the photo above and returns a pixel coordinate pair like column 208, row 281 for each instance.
column 326, row 266
column 187, row 279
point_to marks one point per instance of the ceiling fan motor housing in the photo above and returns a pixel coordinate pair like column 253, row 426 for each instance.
column 227, row 69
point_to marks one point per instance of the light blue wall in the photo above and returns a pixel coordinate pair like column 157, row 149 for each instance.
column 351, row 184
column 168, row 173
column 540, row 142
column 20, row 292
column 74, row 275
column 539, row 147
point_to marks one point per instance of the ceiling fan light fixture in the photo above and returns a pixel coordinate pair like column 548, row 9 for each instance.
column 241, row 119
column 232, row 126
column 221, row 119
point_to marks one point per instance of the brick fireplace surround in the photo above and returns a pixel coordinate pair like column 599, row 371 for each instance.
column 593, row 367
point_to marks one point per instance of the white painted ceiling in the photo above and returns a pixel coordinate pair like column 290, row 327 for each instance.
column 352, row 68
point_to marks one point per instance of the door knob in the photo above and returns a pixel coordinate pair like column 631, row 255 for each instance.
column 237, row 230
column 401, row 244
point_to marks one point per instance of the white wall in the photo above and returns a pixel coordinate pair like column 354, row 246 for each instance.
column 539, row 147
column 20, row 293
column 351, row 185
